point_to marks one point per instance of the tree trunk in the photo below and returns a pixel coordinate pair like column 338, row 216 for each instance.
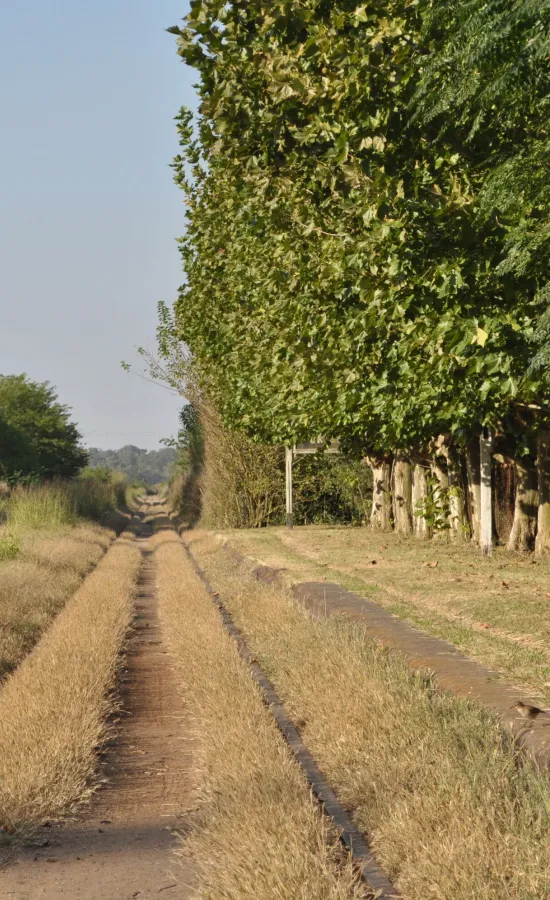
column 402, row 495
column 442, row 524
column 380, row 517
column 421, row 527
column 459, row 525
column 474, row 489
column 542, row 544
column 522, row 536
column 451, row 488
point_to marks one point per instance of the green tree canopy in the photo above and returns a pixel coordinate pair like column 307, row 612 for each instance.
column 486, row 85
column 342, row 277
column 37, row 437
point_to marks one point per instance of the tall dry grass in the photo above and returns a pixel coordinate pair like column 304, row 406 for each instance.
column 53, row 709
column 257, row 834
column 242, row 482
column 62, row 502
column 431, row 778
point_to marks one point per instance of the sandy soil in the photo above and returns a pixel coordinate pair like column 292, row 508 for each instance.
column 122, row 846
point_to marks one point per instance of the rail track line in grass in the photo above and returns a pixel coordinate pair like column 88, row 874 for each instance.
column 364, row 859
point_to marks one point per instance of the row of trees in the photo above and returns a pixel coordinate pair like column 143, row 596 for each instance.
column 37, row 437
column 368, row 238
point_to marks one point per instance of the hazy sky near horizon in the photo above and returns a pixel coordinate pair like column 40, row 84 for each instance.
column 89, row 214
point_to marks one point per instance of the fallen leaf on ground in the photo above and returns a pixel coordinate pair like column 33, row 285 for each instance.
column 430, row 565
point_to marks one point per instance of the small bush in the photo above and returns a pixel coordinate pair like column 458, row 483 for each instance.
column 331, row 490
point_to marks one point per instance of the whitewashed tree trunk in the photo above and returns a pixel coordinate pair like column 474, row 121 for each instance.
column 381, row 493
column 474, row 489
column 522, row 536
column 542, row 544
column 486, row 493
column 402, row 495
column 421, row 527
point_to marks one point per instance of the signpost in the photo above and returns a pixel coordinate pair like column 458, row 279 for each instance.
column 288, row 467
column 486, row 512
column 302, row 450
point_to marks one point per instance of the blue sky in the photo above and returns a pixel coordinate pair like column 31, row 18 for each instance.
column 89, row 213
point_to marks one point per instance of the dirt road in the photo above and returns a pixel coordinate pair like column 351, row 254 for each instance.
column 122, row 847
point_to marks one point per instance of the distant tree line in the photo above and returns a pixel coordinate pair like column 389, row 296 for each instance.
column 149, row 466
column 368, row 241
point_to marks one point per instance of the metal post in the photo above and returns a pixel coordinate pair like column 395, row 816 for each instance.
column 288, row 470
column 486, row 512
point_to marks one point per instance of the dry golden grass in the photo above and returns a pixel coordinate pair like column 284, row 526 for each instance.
column 451, row 813
column 258, row 834
column 53, row 708
column 494, row 610
column 36, row 584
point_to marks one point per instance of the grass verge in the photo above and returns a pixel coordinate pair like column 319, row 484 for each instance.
column 429, row 777
column 46, row 549
column 494, row 610
column 53, row 709
column 35, row 585
column 257, row 834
